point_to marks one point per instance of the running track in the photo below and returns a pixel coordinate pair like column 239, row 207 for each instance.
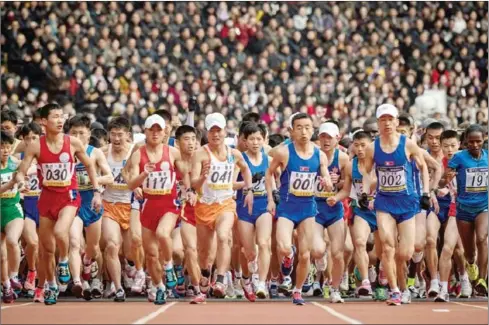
column 227, row 312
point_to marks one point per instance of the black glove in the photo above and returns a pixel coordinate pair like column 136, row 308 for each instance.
column 276, row 196
column 424, row 202
column 257, row 177
column 363, row 201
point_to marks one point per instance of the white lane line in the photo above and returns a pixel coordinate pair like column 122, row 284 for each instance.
column 161, row 310
column 337, row 314
column 441, row 310
column 474, row 306
column 15, row 306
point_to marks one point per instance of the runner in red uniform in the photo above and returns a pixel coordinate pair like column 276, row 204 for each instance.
column 59, row 201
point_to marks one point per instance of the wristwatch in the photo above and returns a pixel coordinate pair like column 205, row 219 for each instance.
column 99, row 190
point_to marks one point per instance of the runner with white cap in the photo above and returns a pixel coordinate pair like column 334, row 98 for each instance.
column 395, row 204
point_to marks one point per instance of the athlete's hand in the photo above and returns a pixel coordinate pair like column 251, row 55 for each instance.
column 326, row 183
column 331, row 201
column 206, row 167
column 248, row 202
column 363, row 201
column 424, row 201
column 371, row 205
column 21, row 182
column 96, row 202
column 138, row 193
column 149, row 167
column 335, row 178
column 450, row 174
column 443, row 191
column 434, row 203
column 271, row 207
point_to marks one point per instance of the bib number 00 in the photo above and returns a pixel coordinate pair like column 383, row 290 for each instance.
column 302, row 184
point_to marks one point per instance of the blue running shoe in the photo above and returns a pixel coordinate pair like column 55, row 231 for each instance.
column 273, row 290
column 64, row 275
column 171, row 278
column 180, row 275
column 51, row 296
column 160, row 297
column 287, row 264
column 297, row 299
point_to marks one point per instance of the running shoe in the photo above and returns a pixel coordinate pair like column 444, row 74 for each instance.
column 96, row 289
column 286, row 286
column 160, row 298
column 15, row 283
column 297, row 299
column 316, row 289
column 326, row 291
column 335, row 296
column 238, row 288
column 77, row 289
column 287, row 264
column 198, row 299
column 414, row 291
column 171, row 278
column 87, row 292
column 109, row 290
column 204, row 285
column 219, row 290
column 230, row 293
column 39, row 295
column 434, row 288
column 248, row 290
column 8, row 295
column 151, row 292
column 473, row 271
column 394, row 299
column 481, row 287
column 261, row 290
column 120, row 295
column 30, row 281
column 273, row 289
column 51, row 296
column 380, row 294
column 139, row 282
column 180, row 275
column 365, row 289
column 64, row 275
column 465, row 288
column 406, row 297
column 442, row 296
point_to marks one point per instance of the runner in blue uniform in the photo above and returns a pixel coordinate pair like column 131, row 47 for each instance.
column 300, row 162
column 395, row 204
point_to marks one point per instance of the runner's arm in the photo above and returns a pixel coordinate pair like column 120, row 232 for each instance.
column 343, row 161
column 346, row 189
column 197, row 179
column 135, row 177
column 30, row 153
column 85, row 160
column 436, row 167
column 244, row 169
column 21, row 147
column 276, row 162
column 417, row 154
column 182, row 167
column 368, row 164
column 106, row 177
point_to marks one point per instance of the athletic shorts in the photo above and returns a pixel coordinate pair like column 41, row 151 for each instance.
column 259, row 208
column 51, row 203
column 401, row 207
column 86, row 213
column 297, row 212
column 188, row 214
column 119, row 212
column 368, row 216
column 207, row 214
column 327, row 215
column 154, row 209
column 10, row 213
column 469, row 213
column 30, row 209
column 136, row 204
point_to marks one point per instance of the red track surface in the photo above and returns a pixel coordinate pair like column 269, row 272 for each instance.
column 245, row 313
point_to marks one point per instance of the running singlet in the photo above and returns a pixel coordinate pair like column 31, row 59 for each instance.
column 357, row 181
column 84, row 183
column 11, row 196
column 56, row 172
column 259, row 191
column 218, row 186
column 334, row 167
column 298, row 180
column 471, row 178
column 394, row 171
column 162, row 180
column 118, row 191
column 33, row 180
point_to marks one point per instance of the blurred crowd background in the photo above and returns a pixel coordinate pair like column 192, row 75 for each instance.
column 329, row 59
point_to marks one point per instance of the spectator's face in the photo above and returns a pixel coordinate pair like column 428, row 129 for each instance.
column 9, row 128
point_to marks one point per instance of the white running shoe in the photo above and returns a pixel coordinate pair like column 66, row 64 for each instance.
column 344, row 286
column 335, row 296
column 406, row 297
column 466, row 288
column 442, row 296
column 261, row 290
column 238, row 288
column 139, row 282
column 434, row 288
column 372, row 274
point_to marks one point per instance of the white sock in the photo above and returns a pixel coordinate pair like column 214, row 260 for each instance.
column 13, row 275
column 464, row 277
column 169, row 266
column 53, row 284
column 365, row 282
column 160, row 286
column 395, row 289
column 297, row 290
column 444, row 286
column 238, row 274
column 63, row 260
column 6, row 284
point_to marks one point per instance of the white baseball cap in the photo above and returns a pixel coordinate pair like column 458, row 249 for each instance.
column 154, row 119
column 387, row 109
column 215, row 119
column 330, row 129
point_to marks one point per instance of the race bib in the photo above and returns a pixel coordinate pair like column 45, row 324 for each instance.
column 83, row 180
column 34, row 188
column 56, row 174
column 302, row 184
column 221, row 177
column 259, row 188
column 392, row 179
column 11, row 193
column 476, row 180
column 320, row 190
column 158, row 183
column 119, row 182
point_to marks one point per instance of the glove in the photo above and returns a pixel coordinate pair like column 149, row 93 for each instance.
column 424, row 201
column 276, row 196
column 256, row 178
column 363, row 201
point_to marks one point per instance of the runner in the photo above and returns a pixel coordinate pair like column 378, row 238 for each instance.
column 9, row 121
column 259, row 222
column 469, row 167
column 153, row 169
column 12, row 221
column 87, row 221
column 117, row 206
column 395, row 203
column 213, row 171
column 59, row 200
column 330, row 209
column 297, row 208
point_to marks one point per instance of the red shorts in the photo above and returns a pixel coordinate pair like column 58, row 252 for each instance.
column 51, row 203
column 452, row 211
column 153, row 210
column 188, row 214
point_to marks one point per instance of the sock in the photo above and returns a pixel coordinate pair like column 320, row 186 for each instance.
column 444, row 286
column 238, row 274
column 53, row 284
column 169, row 266
column 411, row 282
column 365, row 282
column 220, row 278
column 6, row 284
column 76, row 279
column 291, row 255
column 464, row 277
column 63, row 260
column 395, row 289
column 160, row 286
column 14, row 274
column 205, row 273
column 197, row 289
column 296, row 290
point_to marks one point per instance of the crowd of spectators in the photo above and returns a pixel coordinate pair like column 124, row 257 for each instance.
column 333, row 60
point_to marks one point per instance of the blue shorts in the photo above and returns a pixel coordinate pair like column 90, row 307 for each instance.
column 296, row 211
column 136, row 204
column 259, row 208
column 30, row 209
column 469, row 213
column 368, row 216
column 329, row 215
column 86, row 213
column 443, row 214
column 401, row 207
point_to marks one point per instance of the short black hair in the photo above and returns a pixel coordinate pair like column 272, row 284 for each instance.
column 315, row 136
column 100, row 134
column 252, row 127
column 242, row 127
column 435, row 126
column 251, row 117
column 9, row 116
column 345, row 142
column 275, row 139
column 46, row 109
column 181, row 130
column 164, row 114
column 119, row 122
column 300, row 116
column 79, row 121
column 474, row 128
column 94, row 142
column 361, row 135
column 405, row 119
column 449, row 134
column 30, row 127
column 6, row 138
column 370, row 120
